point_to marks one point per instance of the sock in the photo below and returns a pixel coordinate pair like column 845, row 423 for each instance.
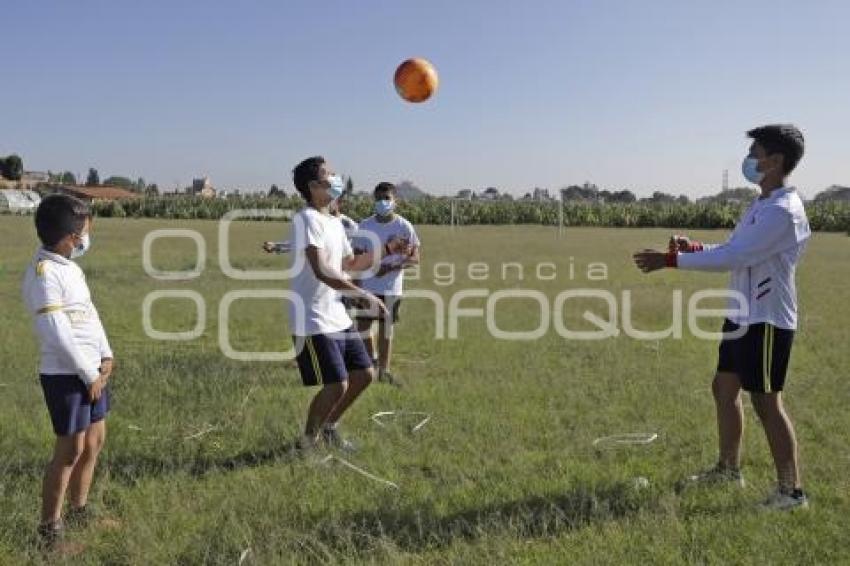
column 330, row 426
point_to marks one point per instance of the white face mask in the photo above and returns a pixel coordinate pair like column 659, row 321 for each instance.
column 336, row 186
column 82, row 248
column 750, row 169
column 384, row 207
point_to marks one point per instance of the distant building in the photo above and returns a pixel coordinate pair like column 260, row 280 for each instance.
column 541, row 194
column 465, row 194
column 490, row 193
column 18, row 201
column 37, row 176
column 28, row 181
column 90, row 194
column 203, row 187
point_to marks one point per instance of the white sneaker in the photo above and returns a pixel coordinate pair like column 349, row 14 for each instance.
column 333, row 438
column 785, row 500
column 717, row 475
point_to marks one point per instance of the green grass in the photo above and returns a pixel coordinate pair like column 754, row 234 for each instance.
column 505, row 470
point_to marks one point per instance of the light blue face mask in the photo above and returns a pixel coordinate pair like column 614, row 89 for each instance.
column 337, row 187
column 384, row 207
column 750, row 169
column 81, row 249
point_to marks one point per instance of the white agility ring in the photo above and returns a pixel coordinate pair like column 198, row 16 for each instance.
column 330, row 458
column 425, row 417
column 626, row 439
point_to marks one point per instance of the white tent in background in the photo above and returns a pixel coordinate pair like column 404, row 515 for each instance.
column 18, row 201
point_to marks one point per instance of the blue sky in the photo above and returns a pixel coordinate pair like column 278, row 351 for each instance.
column 642, row 94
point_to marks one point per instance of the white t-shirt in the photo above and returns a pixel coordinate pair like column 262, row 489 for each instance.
column 762, row 254
column 68, row 326
column 391, row 283
column 323, row 311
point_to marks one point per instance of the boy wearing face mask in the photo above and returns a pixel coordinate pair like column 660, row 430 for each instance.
column 76, row 360
column 762, row 255
column 330, row 352
column 387, row 284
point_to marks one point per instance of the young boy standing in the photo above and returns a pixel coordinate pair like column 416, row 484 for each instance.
column 76, row 360
column 762, row 254
column 388, row 283
column 330, row 351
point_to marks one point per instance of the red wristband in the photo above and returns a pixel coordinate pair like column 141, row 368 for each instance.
column 671, row 259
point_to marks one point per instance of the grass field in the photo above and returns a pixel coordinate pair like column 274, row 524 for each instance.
column 505, row 472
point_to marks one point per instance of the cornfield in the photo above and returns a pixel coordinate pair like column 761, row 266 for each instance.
column 827, row 216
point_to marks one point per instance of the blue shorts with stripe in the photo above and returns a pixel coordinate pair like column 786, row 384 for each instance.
column 327, row 358
column 759, row 357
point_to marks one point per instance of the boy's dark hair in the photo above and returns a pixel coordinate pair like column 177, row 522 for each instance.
column 59, row 215
column 784, row 139
column 306, row 171
column 384, row 188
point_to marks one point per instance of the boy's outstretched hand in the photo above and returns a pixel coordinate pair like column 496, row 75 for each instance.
column 651, row 260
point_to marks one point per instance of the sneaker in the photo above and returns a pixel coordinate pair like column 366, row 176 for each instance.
column 785, row 500
column 51, row 535
column 334, row 439
column 386, row 377
column 717, row 475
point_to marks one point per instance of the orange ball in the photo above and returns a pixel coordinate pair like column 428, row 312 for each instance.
column 416, row 80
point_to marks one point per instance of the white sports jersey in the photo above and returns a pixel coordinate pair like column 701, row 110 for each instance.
column 67, row 324
column 323, row 311
column 762, row 254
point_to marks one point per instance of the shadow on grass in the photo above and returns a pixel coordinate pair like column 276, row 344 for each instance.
column 416, row 530
column 534, row 517
column 130, row 469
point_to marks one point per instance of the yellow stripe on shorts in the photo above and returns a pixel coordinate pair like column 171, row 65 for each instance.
column 768, row 355
column 316, row 367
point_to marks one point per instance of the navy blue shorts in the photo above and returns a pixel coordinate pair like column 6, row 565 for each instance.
column 324, row 359
column 68, row 403
column 759, row 357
